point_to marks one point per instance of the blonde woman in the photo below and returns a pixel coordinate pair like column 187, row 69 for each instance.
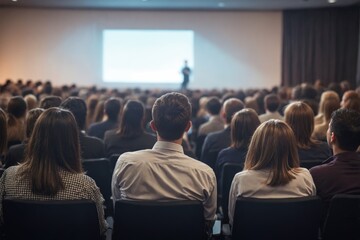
column 325, row 97
column 271, row 167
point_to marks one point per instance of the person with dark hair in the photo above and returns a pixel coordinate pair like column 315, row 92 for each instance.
column 16, row 110
column 215, row 122
column 130, row 136
column 186, row 71
column 340, row 174
column 91, row 147
column 52, row 168
column 351, row 100
column 16, row 154
column 271, row 167
column 271, row 104
column 300, row 118
column 159, row 174
column 50, row 101
column 3, row 134
column 216, row 141
column 112, row 109
column 243, row 125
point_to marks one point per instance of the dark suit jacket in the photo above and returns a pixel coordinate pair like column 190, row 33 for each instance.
column 213, row 144
column 91, row 147
column 98, row 129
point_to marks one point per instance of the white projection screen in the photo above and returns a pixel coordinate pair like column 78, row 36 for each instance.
column 146, row 56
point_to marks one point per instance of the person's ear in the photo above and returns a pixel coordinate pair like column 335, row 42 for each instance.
column 332, row 137
column 152, row 125
column 188, row 126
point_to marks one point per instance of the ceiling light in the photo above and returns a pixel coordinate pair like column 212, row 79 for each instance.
column 332, row 1
column 221, row 4
column 14, row 0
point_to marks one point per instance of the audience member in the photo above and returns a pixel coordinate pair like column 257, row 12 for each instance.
column 243, row 125
column 50, row 101
column 320, row 129
column 16, row 152
column 131, row 135
column 112, row 109
column 300, row 118
column 272, row 103
column 52, row 169
column 160, row 173
column 341, row 173
column 91, row 147
column 31, row 101
column 3, row 135
column 16, row 110
column 91, row 103
column 325, row 97
column 271, row 167
column 216, row 141
column 351, row 100
column 215, row 122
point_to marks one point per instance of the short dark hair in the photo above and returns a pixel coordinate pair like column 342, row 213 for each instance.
column 213, row 105
column 231, row 106
column 50, row 101
column 77, row 107
column 17, row 107
column 272, row 102
column 345, row 124
column 112, row 108
column 171, row 114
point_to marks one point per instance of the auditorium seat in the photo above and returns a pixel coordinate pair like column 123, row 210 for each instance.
column 55, row 220
column 175, row 220
column 290, row 218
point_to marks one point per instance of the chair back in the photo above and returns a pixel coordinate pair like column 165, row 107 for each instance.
column 56, row 220
column 343, row 219
column 229, row 170
column 99, row 170
column 310, row 163
column 113, row 159
column 175, row 220
column 290, row 218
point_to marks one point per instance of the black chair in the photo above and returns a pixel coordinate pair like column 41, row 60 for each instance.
column 113, row 159
column 290, row 218
column 175, row 220
column 310, row 163
column 343, row 219
column 229, row 170
column 55, row 220
column 99, row 170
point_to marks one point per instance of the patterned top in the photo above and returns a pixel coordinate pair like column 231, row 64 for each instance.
column 76, row 187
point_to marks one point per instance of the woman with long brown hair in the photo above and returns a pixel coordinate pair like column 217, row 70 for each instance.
column 52, row 169
column 271, row 167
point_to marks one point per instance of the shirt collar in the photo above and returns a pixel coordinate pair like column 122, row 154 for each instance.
column 168, row 146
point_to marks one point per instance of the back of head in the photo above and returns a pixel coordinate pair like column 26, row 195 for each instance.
column 3, row 131
column 213, row 105
column 300, row 118
column 273, row 147
column 112, row 108
column 345, row 124
column 243, row 125
column 351, row 100
column 17, row 107
column 132, row 117
column 53, row 145
column 50, row 101
column 272, row 102
column 31, row 118
column 77, row 107
column 329, row 107
column 171, row 115
column 231, row 106
column 326, row 96
column 31, row 101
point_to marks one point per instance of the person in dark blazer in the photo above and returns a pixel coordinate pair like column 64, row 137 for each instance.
column 91, row 147
column 16, row 155
column 111, row 110
column 130, row 136
column 215, row 142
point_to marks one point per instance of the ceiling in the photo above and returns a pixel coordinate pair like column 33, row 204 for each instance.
column 178, row 4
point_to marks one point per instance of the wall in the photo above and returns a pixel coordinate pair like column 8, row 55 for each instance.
column 232, row 49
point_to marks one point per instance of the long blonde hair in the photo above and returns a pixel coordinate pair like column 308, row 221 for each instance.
column 273, row 147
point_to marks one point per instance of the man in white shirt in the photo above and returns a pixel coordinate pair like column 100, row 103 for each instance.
column 271, row 103
column 165, row 172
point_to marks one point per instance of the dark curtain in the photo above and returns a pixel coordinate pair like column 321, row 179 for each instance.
column 320, row 44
